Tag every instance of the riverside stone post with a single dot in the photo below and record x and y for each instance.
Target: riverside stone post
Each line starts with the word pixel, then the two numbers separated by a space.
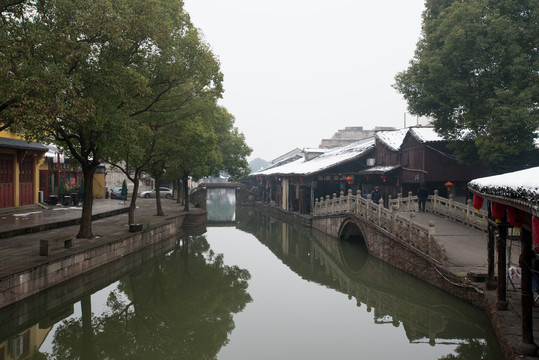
pixel 451 211
pixel 435 202
pixel 327 204
pixel 380 208
pixel 431 235
pixel 368 206
pixel 410 227
pixel 358 201
pixel 349 200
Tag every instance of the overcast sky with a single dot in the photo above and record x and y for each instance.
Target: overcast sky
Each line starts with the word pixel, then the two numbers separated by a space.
pixel 297 71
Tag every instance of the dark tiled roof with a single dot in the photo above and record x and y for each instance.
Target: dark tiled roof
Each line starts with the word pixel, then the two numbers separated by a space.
pixel 21 144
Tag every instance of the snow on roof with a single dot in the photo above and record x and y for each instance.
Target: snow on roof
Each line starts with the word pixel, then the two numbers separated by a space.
pixel 392 138
pixel 331 158
pixel 523 185
pixel 380 169
pixel 426 134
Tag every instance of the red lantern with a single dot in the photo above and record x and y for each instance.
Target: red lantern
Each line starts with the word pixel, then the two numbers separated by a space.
pixel 301 179
pixel 535 232
pixel 448 184
pixel 383 177
pixel 349 179
pixel 498 211
pixel 477 202
pixel 515 216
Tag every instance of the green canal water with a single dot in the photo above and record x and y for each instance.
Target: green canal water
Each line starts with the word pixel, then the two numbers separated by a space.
pixel 254 288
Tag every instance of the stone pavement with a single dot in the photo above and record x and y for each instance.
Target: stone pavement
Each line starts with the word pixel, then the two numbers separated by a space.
pixel 465 246
pixel 21 252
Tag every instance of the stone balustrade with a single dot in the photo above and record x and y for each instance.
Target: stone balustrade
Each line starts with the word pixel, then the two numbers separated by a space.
pixel 401 225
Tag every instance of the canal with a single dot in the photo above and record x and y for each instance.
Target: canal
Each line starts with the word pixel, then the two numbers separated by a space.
pixel 247 286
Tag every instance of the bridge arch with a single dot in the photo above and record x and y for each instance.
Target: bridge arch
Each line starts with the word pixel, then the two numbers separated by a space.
pixel 350 230
pixel 352 245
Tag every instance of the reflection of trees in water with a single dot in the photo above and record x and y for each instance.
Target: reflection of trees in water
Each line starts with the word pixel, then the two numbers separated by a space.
pixel 221 204
pixel 427 314
pixel 179 307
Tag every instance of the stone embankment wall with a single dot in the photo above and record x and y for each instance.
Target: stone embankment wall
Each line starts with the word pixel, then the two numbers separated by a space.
pixel 86 257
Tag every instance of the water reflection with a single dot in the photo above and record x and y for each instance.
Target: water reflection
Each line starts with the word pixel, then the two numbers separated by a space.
pixel 427 315
pixel 189 303
pixel 221 204
pixel 179 306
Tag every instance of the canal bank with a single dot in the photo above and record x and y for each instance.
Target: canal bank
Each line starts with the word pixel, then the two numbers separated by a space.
pixel 24 272
pixel 455 281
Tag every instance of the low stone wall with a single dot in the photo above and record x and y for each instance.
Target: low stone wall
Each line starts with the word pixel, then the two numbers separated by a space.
pixel 80 260
pixel 45 307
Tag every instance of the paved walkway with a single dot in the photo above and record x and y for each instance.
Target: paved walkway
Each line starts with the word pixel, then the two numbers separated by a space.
pixel 18 253
pixel 465 246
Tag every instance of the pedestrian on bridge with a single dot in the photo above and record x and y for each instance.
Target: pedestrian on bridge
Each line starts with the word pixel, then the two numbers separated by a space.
pixel 376 195
pixel 422 194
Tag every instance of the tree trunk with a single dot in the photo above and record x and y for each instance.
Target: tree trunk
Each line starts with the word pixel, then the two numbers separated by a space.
pixel 180 194
pixel 158 198
pixel 133 205
pixel 85 230
pixel 185 193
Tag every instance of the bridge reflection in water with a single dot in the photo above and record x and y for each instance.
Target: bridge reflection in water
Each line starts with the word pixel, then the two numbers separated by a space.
pixel 182 300
pixel 427 314
pixel 221 205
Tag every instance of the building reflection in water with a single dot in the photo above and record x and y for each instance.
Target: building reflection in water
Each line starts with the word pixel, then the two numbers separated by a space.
pixel 427 314
pixel 179 301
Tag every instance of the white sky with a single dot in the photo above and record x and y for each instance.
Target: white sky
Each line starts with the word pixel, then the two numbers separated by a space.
pixel 297 71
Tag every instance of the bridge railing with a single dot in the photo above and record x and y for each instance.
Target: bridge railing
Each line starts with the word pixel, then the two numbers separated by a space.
pixel 451 209
pixel 400 225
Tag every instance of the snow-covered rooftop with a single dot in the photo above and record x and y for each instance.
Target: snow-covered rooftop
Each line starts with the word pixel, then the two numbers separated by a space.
pixel 425 134
pixel 330 158
pixel 392 138
pixel 521 185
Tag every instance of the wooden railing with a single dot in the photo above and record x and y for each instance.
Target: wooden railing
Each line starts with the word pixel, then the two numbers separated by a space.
pixel 400 225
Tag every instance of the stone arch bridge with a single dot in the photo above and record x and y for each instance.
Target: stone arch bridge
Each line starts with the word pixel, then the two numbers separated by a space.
pixel 393 236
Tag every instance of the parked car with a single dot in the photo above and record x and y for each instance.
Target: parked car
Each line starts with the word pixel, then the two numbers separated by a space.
pixel 116 192
pixel 164 191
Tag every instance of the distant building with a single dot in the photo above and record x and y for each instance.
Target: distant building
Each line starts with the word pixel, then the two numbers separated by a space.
pixel 350 135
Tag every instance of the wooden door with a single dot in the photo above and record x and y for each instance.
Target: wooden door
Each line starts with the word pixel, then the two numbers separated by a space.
pixel 26 182
pixel 7 185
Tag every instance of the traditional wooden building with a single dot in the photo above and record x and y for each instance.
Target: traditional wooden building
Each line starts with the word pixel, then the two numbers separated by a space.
pixel 19 174
pixel 295 182
pixel 513 203
pixel 425 158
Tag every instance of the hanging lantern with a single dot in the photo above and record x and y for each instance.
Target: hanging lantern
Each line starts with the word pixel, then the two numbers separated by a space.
pixel 535 232
pixel 301 179
pixel 383 177
pixel 477 202
pixel 349 179
pixel 498 211
pixel 448 184
pixel 516 217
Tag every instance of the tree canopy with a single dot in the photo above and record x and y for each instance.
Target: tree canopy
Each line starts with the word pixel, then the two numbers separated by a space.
pixel 114 80
pixel 475 74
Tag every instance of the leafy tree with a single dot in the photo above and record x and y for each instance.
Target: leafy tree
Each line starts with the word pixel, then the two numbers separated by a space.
pixel 475 73
pixel 97 66
pixel 231 146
